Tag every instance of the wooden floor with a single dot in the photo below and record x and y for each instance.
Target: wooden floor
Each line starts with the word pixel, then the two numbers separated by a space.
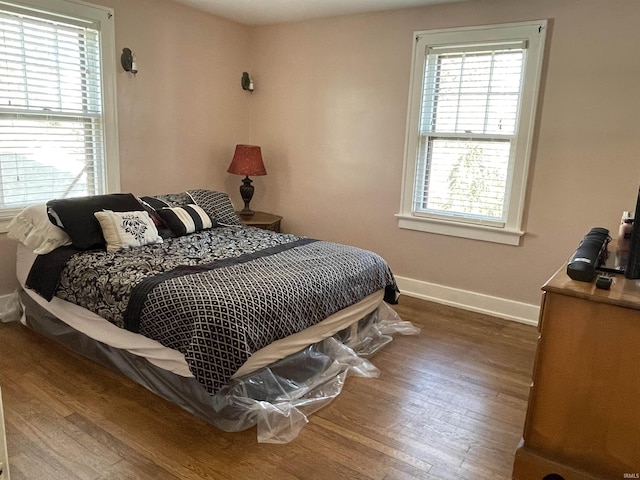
pixel 449 404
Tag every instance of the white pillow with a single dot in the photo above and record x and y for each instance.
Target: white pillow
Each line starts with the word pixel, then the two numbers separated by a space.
pixel 127 229
pixel 33 228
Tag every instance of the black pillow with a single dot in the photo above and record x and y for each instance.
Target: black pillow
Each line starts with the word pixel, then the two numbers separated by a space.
pixel 151 206
pixel 75 216
pixel 156 203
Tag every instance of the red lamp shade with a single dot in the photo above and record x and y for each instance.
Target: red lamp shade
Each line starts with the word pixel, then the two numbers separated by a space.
pixel 247 160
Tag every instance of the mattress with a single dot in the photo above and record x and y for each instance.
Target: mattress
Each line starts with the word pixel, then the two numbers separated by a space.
pixel 99 329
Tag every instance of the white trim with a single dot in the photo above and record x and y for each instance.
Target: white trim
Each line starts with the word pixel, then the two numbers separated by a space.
pixel 464 230
pixel 104 18
pixel 467 300
pixel 10 309
pixel 534 32
pixel 4 456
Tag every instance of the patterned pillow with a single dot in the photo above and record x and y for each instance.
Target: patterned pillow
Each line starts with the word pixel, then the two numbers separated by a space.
pixel 127 229
pixel 217 205
pixel 174 199
pixel 185 219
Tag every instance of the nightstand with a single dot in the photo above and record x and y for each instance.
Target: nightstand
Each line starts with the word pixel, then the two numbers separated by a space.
pixel 266 221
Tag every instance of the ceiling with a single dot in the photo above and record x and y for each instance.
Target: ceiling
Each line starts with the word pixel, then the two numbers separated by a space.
pixel 264 12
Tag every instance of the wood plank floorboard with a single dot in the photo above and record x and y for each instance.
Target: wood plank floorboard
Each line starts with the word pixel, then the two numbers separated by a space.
pixel 449 404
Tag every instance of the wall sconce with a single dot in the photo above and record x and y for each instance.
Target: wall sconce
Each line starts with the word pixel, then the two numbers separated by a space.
pixel 128 61
pixel 246 82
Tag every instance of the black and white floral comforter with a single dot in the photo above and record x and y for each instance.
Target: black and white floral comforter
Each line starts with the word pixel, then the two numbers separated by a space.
pixel 220 295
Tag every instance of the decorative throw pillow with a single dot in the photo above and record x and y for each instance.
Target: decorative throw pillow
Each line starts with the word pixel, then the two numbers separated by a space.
pixel 174 199
pixel 185 219
pixel 75 216
pixel 156 204
pixel 217 205
pixel 127 229
pixel 33 228
pixel 151 205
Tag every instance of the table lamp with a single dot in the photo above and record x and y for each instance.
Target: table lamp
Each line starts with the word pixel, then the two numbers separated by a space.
pixel 247 161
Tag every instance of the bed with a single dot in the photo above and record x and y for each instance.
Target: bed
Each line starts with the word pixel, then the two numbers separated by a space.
pixel 238 325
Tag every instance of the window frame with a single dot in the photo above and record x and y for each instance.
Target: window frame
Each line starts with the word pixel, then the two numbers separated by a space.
pixel 510 233
pixel 105 17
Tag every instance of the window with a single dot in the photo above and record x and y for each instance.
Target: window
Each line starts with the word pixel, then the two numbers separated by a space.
pixel 58 133
pixel 469 130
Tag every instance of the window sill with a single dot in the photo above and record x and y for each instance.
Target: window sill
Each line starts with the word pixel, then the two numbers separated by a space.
pixel 463 230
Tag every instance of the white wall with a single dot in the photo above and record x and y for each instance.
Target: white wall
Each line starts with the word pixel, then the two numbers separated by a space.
pixel 330 112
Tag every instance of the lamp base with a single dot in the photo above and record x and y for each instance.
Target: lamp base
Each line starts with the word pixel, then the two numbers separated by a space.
pixel 246 192
pixel 246 212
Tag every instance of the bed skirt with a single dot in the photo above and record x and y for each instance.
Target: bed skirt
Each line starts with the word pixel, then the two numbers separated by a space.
pixel 276 398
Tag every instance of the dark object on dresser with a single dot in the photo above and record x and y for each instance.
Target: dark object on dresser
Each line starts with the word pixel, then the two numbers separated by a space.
pixel 587 257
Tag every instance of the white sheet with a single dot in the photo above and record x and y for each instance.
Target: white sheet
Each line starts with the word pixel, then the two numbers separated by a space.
pixel 103 331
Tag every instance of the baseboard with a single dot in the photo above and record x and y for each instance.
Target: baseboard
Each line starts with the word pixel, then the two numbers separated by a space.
pixel 473 301
pixel 465 299
pixel 10 310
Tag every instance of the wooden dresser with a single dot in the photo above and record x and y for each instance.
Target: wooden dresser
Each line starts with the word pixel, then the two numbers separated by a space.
pixel 583 417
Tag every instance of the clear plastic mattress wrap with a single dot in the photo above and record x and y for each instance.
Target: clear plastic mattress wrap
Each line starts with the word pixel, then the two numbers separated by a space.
pixel 277 398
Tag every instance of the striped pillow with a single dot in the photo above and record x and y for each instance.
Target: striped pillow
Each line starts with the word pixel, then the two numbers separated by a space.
pixel 185 219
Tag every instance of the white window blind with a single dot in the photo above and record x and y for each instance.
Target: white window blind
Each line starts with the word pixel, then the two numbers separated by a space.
pixel 470 130
pixel 471 99
pixel 52 142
